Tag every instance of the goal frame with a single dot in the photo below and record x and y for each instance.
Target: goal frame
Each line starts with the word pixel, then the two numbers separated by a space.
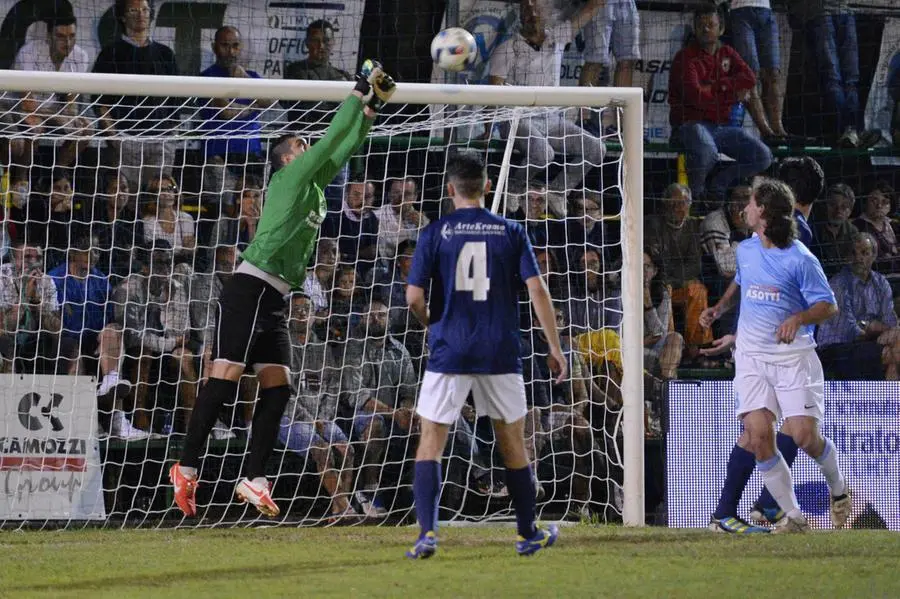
pixel 629 99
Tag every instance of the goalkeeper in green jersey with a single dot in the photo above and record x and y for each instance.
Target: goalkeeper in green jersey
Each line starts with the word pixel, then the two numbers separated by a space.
pixel 251 319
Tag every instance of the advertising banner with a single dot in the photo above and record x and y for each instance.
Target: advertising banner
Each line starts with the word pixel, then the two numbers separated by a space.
pixel 49 455
pixel 861 418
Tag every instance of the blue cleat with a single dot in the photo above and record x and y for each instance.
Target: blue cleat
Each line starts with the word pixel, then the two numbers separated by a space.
pixel 424 548
pixel 543 538
pixel 735 526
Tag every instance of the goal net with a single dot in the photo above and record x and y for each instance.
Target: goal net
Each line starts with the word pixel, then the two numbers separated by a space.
pixel 123 216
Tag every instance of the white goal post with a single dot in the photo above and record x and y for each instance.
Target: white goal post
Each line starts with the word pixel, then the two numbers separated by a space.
pixel 628 100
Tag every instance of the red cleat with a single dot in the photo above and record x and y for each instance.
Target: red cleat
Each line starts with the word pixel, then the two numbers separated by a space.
pixel 256 493
pixel 185 490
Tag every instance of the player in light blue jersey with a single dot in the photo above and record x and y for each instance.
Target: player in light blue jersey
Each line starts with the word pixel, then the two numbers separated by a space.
pixel 783 295
pixel 475 263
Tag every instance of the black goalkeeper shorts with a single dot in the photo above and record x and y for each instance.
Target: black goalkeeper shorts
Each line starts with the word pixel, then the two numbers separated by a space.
pixel 251 323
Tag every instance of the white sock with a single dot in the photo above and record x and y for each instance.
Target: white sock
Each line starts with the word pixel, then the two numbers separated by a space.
pixel 260 481
pixel 777 477
pixel 830 470
pixel 188 471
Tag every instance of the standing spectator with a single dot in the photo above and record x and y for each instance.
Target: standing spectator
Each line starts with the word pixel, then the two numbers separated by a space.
pixel 806 179
pixel 163 219
pixel 834 235
pixel 616 29
pixel 90 338
pixel 754 34
pixel 317 67
pixel 533 56
pixel 831 30
pixel 355 226
pixel 58 53
pixel 876 220
pixel 399 219
pixel 153 305
pixel 673 237
pixel 862 341
pixel 308 426
pixel 722 230
pixel 29 313
pixel 137 54
pixel 662 345
pixel 115 228
pixel 708 79
pixel 233 124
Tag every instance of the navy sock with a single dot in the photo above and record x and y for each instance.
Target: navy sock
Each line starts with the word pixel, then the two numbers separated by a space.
pixel 789 450
pixel 741 464
pixel 521 490
pixel 426 491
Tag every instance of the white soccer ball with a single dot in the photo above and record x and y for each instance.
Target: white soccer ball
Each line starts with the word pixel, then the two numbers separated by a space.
pixel 454 49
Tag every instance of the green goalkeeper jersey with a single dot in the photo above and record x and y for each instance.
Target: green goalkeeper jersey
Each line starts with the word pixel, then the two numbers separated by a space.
pixel 295 203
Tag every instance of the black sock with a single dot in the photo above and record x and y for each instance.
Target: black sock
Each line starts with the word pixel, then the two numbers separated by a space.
pixel 266 420
pixel 212 396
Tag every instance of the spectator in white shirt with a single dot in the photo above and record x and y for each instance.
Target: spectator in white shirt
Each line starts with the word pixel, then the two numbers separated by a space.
pixel 165 221
pixel 58 53
pixel 533 57
pixel 399 219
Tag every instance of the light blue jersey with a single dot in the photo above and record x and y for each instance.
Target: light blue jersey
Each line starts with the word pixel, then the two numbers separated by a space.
pixel 776 284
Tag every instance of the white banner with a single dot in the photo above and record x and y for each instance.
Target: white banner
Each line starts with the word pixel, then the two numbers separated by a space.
pixel 880 106
pixel 49 456
pixel 861 418
pixel 273 30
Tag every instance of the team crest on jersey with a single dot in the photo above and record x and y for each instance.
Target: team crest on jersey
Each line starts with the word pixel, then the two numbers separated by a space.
pixel 446 232
pixel 726 64
pixel 764 293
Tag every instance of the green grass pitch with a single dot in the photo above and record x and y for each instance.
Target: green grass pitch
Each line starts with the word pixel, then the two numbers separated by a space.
pixel 472 562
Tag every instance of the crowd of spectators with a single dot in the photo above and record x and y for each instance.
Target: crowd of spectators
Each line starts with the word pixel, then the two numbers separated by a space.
pixel 116 273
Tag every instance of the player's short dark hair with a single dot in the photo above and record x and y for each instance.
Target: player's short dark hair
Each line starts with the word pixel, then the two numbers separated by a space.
pixel 804 176
pixel 63 20
pixel 276 151
pixel 468 174
pixel 777 201
pixel 320 24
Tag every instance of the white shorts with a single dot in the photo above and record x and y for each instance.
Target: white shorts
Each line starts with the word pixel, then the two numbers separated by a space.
pixel 794 387
pixel 499 396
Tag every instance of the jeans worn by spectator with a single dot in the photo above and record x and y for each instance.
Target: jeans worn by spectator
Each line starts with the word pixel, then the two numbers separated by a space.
pixel 836 47
pixel 754 34
pixel 704 141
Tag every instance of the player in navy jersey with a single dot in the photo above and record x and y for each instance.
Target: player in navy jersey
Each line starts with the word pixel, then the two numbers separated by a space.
pixel 475 263
pixel 783 294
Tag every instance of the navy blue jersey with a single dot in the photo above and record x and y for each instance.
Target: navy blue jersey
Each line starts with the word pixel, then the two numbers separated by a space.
pixel 476 263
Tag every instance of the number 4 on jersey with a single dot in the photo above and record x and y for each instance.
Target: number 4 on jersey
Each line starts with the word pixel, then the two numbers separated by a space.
pixel 471 270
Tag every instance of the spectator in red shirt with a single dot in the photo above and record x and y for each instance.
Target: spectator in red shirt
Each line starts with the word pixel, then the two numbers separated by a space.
pixel 708 80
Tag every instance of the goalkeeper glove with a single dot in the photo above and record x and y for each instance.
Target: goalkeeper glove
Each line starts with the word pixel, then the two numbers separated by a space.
pixel 366 77
pixel 372 77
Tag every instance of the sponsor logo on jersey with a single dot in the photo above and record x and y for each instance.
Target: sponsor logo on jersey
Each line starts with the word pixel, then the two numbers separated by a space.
pixel 764 293
pixel 448 231
pixel 314 220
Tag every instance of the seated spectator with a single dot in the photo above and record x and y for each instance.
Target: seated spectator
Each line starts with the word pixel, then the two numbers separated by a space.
pixel 876 220
pixel 163 220
pixel 533 56
pixel 58 53
pixel 754 35
pixel 708 79
pixel 233 124
pixel 389 287
pixel 662 345
pixel 320 278
pixel 206 288
pixel 308 426
pixel 317 66
pixel 115 228
pixel 542 226
pixel 90 338
pixel 346 298
pixel 29 314
pixel 594 302
pixel 806 179
pixel 834 234
pixel 553 276
pixel 240 231
pixel 722 230
pixel 585 227
pixel 673 237
pixel 831 31
pixel 153 306
pixel 862 341
pixel 399 219
pixel 50 217
pixel 355 226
